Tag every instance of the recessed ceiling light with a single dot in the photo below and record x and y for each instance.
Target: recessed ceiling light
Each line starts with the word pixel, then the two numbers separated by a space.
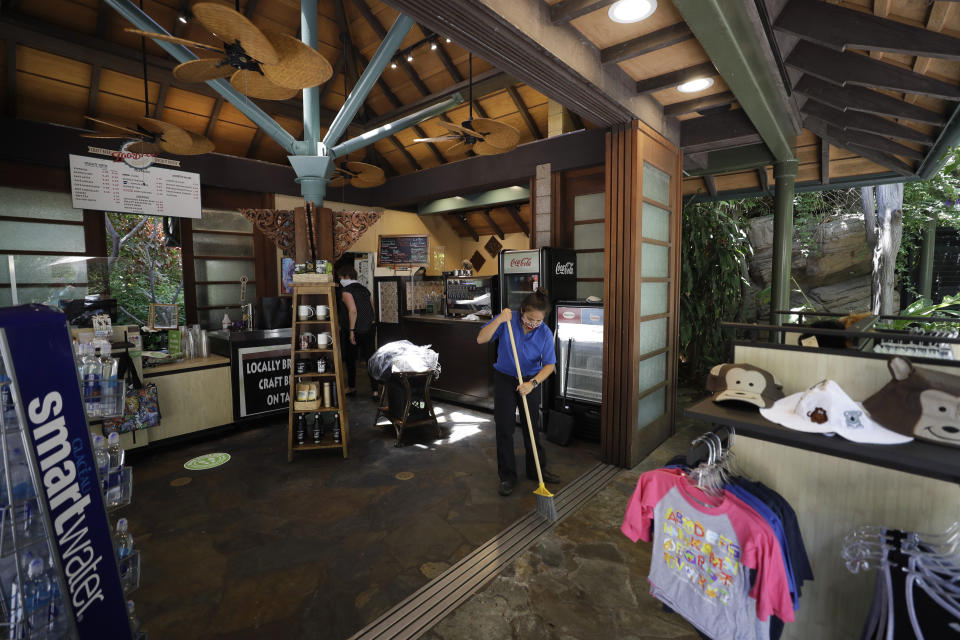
pixel 448 40
pixel 393 65
pixel 695 85
pixel 183 19
pixel 409 58
pixel 628 11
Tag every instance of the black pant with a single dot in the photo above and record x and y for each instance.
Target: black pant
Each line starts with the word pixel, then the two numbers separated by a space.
pixel 351 352
pixel 505 403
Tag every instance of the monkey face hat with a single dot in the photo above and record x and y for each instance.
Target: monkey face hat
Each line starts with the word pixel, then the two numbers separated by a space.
pixel 919 402
pixel 744 383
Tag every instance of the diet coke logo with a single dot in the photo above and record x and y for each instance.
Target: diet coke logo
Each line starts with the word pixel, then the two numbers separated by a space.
pixel 520 262
pixel 566 269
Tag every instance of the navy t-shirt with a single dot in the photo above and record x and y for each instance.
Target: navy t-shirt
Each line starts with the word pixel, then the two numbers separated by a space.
pixel 535 349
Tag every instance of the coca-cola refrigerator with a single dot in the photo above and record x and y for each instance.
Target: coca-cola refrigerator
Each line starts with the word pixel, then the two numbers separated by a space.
pixel 524 271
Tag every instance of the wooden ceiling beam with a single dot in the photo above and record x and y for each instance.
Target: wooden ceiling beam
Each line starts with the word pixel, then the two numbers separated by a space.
pixel 845 68
pixel 328 85
pixel 840 29
pixel 764 178
pixel 444 56
pixel 659 39
pixel 854 120
pixel 214 116
pixel 182 10
pixel 673 78
pixel 496 228
pixel 381 32
pixel 719 131
pixel 514 211
pixel 936 21
pixel 835 136
pixel 406 154
pixel 255 143
pixel 462 219
pixel 94 92
pixel 524 113
pixel 10 79
pixel 824 162
pixel 873 141
pixel 250 8
pixel 690 106
pixel 567 10
pixel 711 186
pixel 161 100
pixel 864 100
pixel 375 157
pixel 577 121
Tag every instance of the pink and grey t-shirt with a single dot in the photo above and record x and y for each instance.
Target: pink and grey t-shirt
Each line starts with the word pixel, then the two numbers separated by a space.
pixel 702 556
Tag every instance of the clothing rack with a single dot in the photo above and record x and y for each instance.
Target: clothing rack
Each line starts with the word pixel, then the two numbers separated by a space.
pixel 699 450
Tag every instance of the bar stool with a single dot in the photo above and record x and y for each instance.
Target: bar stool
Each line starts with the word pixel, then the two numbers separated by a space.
pixel 410 416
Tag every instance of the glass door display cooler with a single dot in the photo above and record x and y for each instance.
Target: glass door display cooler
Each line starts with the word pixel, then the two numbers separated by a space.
pixel 579 351
pixel 525 271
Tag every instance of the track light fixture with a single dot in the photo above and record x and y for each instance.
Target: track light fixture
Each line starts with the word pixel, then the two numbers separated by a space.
pixel 433 40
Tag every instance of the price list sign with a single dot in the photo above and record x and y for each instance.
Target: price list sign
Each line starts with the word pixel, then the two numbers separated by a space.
pixel 106 185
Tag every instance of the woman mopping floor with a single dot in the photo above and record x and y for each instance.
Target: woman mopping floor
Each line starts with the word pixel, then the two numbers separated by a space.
pixel 537 357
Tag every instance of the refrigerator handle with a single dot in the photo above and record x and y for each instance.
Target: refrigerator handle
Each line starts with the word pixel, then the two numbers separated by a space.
pixel 566 373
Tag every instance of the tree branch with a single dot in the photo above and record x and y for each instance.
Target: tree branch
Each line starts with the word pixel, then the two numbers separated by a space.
pixel 138 320
pixel 177 294
pixel 869 216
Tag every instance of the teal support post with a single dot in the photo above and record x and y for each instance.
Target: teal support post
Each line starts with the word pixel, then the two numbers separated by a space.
pixel 391 128
pixel 247 107
pixel 311 95
pixel 785 175
pixel 926 259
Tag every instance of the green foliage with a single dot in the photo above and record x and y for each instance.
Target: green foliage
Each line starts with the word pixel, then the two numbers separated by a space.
pixel 921 308
pixel 713 264
pixel 144 271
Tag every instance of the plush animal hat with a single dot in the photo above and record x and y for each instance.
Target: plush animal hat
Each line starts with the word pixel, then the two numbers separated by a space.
pixel 919 402
pixel 744 383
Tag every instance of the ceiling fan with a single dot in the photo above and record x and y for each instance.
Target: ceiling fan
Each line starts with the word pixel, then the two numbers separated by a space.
pixel 484 135
pixel 358 174
pixel 271 66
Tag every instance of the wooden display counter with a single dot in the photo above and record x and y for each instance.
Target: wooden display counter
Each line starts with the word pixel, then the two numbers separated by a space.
pixel 836 485
pixel 466 368
pixel 194 395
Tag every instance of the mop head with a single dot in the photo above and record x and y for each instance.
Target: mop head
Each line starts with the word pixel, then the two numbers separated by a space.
pixel 545 505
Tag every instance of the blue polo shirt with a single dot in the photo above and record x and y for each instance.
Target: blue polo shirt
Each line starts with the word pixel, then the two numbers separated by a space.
pixel 535 349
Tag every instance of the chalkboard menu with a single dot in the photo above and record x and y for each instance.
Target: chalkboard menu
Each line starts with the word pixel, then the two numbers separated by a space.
pixel 402 250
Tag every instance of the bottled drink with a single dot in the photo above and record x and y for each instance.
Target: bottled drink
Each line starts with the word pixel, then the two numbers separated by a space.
pixel 301 429
pixel 115 451
pixel 132 616
pixel 56 603
pixel 7 410
pixel 124 539
pixel 36 595
pixel 92 370
pixel 336 428
pixel 110 393
pixel 102 459
pixel 115 470
pixel 317 428
pixel 19 471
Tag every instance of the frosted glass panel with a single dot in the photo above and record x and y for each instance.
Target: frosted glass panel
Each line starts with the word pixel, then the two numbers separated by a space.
pixel 653 298
pixel 35 236
pixel 46 269
pixel 654 261
pixel 219 270
pixel 223 294
pixel 49 295
pixel 216 220
pixel 590 265
pixel 656 223
pixel 213 318
pixel 651 372
pixel 589 236
pixel 653 335
pixel 219 244
pixel 585 289
pixel 651 407
pixel 26 203
pixel 656 184
pixel 589 207
pixel 6 297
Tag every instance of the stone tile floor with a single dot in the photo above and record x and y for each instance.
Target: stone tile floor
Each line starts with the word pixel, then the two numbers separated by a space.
pixel 320 547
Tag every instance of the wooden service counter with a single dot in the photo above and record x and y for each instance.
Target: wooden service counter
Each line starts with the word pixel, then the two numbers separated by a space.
pixel 835 485
pixel 466 368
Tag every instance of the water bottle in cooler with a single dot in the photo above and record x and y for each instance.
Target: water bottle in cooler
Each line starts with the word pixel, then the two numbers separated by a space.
pixel 102 459
pixel 132 616
pixel 36 595
pixel 124 539
pixel 114 472
pixel 110 400
pixel 92 372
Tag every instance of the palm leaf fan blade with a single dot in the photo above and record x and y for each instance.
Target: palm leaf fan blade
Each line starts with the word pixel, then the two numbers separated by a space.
pixel 256 85
pixel 231 27
pixel 300 66
pixel 202 70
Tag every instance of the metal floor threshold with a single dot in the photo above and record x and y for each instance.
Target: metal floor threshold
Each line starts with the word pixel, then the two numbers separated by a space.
pixel 425 608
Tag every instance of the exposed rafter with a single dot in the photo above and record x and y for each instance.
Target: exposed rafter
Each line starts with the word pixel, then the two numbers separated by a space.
pixel 864 100
pixel 178 26
pixel 824 162
pixel 659 39
pixel 854 120
pixel 514 212
pixel 936 21
pixel 720 131
pixel 567 10
pixel 255 143
pixel 711 186
pixel 161 100
pixel 851 68
pixel 214 116
pixel 873 141
pixel 764 178
pixel 689 106
pixel 524 112
pixel 328 85
pixel 94 92
pixel 835 136
pixel 496 228
pixel 840 29
pixel 672 79
pixel 462 219
pixel 250 8
pixel 727 160
pixel 406 154
pixel 444 56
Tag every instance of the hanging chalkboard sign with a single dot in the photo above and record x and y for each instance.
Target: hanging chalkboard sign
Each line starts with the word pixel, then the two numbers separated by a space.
pixel 403 250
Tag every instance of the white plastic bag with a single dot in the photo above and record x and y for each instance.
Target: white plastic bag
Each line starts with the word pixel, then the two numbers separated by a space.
pixel 402 356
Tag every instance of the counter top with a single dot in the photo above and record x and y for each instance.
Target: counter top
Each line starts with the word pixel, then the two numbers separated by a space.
pixel 917 457
pixel 175 367
pixel 251 336
pixel 435 317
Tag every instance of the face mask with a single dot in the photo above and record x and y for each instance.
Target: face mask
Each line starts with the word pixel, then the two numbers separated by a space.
pixel 531 324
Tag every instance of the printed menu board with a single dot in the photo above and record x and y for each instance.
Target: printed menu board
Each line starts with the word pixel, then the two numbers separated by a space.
pixel 401 250
pixel 107 185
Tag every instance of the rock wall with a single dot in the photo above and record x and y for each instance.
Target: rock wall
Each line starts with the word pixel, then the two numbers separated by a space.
pixel 834 274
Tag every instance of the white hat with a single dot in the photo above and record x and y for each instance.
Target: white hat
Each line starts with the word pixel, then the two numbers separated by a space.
pixel 826 408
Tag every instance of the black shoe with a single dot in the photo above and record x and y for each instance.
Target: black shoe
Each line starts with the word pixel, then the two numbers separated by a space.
pixel 548 477
pixel 506 488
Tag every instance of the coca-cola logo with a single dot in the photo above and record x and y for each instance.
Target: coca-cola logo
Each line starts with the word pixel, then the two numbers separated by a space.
pixel 520 262
pixel 566 269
